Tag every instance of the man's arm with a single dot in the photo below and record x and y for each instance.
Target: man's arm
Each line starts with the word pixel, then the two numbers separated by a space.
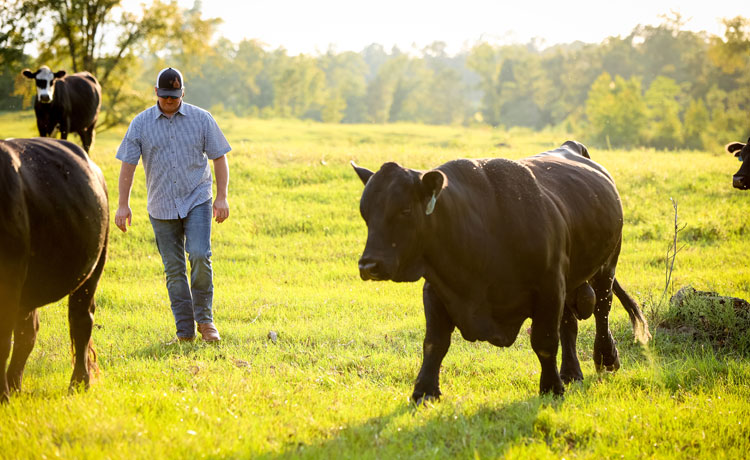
pixel 221 205
pixel 125 184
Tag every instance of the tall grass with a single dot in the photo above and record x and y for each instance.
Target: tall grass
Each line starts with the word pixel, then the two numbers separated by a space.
pixel 336 381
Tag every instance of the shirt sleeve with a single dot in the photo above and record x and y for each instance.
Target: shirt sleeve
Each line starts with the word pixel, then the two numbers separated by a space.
pixel 215 144
pixel 130 148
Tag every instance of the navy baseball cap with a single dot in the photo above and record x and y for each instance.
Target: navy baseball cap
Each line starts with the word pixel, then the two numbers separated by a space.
pixel 169 83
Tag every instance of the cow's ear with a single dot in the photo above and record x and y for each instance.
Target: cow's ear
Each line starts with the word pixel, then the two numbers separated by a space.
pixel 363 173
pixel 433 183
pixel 59 74
pixel 28 74
pixel 735 147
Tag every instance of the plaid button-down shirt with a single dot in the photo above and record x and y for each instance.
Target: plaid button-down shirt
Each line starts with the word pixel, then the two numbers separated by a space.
pixel 175 154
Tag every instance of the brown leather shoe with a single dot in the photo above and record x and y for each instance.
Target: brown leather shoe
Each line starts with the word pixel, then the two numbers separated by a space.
pixel 209 332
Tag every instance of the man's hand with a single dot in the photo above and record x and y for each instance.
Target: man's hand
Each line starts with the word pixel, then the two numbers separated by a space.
pixel 122 216
pixel 221 210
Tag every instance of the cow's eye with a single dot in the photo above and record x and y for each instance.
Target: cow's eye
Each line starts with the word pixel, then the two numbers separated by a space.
pixel 406 212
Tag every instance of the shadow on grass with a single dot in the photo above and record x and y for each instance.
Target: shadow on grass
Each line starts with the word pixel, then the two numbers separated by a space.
pixel 167 349
pixel 442 432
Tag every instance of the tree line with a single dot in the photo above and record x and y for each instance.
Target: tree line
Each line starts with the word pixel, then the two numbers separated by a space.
pixel 660 86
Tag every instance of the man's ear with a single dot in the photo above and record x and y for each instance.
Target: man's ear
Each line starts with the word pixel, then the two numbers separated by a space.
pixel 734 147
pixel 59 74
pixel 29 74
pixel 433 183
pixel 363 173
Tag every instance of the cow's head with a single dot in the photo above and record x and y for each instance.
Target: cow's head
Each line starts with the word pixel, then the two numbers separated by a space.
pixel 45 82
pixel 741 179
pixel 396 206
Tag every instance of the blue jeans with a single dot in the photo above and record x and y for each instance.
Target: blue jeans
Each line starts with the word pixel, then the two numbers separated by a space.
pixel 190 304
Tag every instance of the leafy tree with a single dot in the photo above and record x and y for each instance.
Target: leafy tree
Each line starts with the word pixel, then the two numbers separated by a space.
pixel 76 38
pixel 346 75
pixel 696 121
pixel 300 89
pixel 485 61
pixel 663 102
pixel 615 111
pixel 733 52
pixel 729 122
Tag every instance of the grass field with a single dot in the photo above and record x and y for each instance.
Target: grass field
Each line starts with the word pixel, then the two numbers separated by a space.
pixel 336 382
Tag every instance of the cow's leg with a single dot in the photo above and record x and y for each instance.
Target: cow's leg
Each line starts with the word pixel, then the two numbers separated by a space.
pixel 437 340
pixel 42 128
pixel 9 305
pixel 87 136
pixel 570 368
pixel 81 308
pixel 545 337
pixel 605 351
pixel 24 338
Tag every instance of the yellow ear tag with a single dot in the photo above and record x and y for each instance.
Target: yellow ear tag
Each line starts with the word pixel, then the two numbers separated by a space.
pixel 431 204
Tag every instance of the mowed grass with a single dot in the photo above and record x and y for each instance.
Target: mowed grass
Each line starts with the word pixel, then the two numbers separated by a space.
pixel 336 381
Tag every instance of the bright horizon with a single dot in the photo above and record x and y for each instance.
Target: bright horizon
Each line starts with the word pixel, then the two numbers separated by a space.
pixel 314 27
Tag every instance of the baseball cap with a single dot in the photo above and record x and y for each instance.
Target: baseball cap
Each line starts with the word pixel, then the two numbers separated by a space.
pixel 169 83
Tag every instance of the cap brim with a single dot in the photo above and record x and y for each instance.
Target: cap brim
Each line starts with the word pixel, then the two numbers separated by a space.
pixel 161 92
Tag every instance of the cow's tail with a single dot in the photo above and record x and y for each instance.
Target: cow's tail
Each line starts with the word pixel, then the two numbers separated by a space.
pixel 640 325
pixel 92 362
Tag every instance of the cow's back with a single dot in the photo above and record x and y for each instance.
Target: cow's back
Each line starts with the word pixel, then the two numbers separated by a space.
pixel 539 209
pixel 494 207
pixel 65 202
pixel 586 196
pixel 78 97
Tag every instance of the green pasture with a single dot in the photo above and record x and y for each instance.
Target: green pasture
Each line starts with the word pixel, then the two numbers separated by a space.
pixel 336 382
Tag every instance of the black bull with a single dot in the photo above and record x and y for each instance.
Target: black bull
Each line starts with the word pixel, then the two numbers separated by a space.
pixel 54 222
pixel 499 241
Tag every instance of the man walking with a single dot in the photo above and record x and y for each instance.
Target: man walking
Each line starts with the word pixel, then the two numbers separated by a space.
pixel 176 140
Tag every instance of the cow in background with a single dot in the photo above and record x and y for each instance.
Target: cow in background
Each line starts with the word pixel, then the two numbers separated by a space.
pixel 69 103
pixel 54 223
pixel 741 179
pixel 497 242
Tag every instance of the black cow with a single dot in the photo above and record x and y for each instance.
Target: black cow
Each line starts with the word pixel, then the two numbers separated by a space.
pixel 498 241
pixel 54 222
pixel 741 179
pixel 68 103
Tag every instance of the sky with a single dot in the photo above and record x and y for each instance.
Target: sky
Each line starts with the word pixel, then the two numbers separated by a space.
pixel 314 26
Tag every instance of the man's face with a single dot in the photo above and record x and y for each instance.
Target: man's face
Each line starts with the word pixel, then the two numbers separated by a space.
pixel 169 105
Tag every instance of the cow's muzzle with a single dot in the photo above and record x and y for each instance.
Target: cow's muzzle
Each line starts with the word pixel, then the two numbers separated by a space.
pixel 45 99
pixel 370 269
pixel 740 182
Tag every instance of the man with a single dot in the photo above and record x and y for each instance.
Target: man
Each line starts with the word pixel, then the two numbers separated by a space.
pixel 176 140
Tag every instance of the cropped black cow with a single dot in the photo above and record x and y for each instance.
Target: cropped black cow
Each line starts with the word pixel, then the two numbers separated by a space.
pixel 498 241
pixel 54 222
pixel 741 179
pixel 68 103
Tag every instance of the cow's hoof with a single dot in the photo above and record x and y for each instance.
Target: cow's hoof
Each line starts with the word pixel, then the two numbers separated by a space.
pixel 14 383
pixel 77 387
pixel 603 366
pixel 556 389
pixel 422 399
pixel 570 378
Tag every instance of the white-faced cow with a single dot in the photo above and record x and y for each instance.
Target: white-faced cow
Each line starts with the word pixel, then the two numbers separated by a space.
pixel 54 222
pixel 741 179
pixel 497 242
pixel 69 103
